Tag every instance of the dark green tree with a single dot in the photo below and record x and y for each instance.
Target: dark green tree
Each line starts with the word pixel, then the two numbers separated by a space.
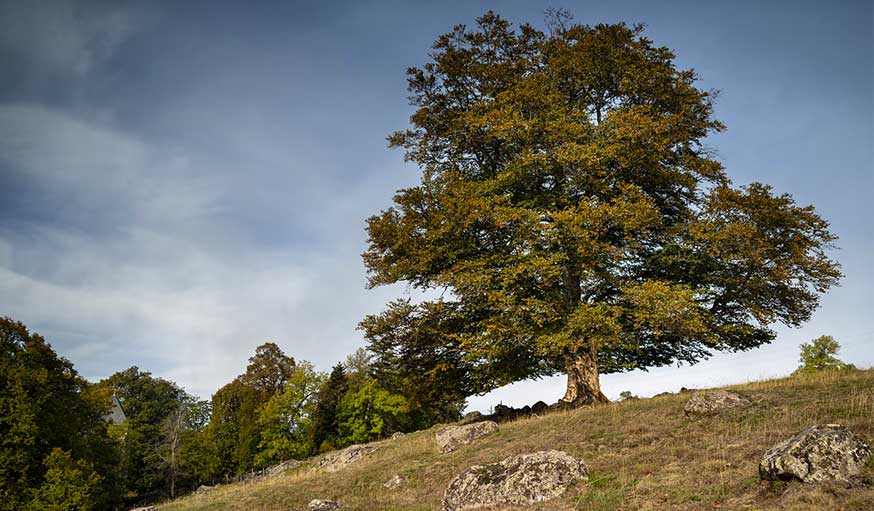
pixel 324 419
pixel 148 402
pixel 572 217
pixel 416 359
pixel 43 408
pixel 234 428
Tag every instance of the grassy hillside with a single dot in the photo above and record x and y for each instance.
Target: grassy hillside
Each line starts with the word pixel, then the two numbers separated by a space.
pixel 642 454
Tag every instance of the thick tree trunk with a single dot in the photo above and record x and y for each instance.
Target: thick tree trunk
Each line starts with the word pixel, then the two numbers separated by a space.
pixel 583 384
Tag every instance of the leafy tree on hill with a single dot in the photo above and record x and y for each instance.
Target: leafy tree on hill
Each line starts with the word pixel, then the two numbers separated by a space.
pixel 325 426
pixel 573 218
pixel 819 354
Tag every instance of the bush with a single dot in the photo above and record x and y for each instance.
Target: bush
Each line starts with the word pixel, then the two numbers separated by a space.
pixel 69 485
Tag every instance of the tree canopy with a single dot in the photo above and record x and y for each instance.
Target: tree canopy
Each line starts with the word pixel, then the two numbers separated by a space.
pixel 572 217
pixel 820 354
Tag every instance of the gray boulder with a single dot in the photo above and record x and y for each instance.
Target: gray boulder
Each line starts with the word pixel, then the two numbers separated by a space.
pixel 827 452
pixel 451 438
pixel 714 402
pixel 337 460
pixel 518 480
pixel 202 489
pixel 324 505
pixel 397 435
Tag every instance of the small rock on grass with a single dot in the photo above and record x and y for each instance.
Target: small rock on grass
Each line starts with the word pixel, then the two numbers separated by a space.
pixel 324 505
pixel 712 403
pixel 451 438
pixel 395 481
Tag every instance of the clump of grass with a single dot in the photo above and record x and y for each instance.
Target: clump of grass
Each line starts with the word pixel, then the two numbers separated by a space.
pixel 642 454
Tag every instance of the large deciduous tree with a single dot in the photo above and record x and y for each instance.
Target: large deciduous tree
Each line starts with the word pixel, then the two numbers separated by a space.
pixel 573 218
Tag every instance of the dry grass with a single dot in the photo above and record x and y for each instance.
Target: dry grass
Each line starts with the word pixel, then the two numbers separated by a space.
pixel 642 455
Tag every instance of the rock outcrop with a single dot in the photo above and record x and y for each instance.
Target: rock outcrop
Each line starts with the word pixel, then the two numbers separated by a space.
pixel 713 403
pixel 451 438
pixel 276 470
pixel 397 435
pixel 827 452
pixel 335 461
pixel 517 480
pixel 324 505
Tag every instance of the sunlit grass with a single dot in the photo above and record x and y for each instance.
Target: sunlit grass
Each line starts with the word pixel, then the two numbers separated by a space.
pixel 642 454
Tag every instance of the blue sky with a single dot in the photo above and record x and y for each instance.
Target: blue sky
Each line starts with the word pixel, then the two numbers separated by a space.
pixel 182 181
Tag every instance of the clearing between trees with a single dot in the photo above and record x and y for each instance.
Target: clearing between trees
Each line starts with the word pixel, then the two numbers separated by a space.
pixel 641 454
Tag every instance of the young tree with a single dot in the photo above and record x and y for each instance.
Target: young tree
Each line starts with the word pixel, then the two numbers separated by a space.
pixel 324 420
pixel 189 417
pixel 285 420
pixel 819 354
pixel 370 413
pixel 573 218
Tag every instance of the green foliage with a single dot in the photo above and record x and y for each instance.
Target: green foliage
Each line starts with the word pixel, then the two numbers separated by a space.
pixel 69 485
pixel 43 407
pixel 370 413
pixel 285 419
pixel 325 428
pixel 819 354
pixel 234 426
pixel 570 209
pixel 416 360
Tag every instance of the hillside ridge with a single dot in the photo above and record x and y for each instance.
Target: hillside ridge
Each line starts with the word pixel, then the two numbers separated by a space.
pixel 642 454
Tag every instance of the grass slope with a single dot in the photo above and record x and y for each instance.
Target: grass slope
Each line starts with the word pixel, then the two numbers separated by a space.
pixel 642 454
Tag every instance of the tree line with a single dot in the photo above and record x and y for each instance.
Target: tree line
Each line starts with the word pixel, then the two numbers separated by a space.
pixel 61 449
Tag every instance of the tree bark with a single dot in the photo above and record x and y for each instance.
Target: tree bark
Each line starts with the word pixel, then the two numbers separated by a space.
pixel 583 383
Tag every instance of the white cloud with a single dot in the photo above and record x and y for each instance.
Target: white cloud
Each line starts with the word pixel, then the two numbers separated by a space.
pixel 171 285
